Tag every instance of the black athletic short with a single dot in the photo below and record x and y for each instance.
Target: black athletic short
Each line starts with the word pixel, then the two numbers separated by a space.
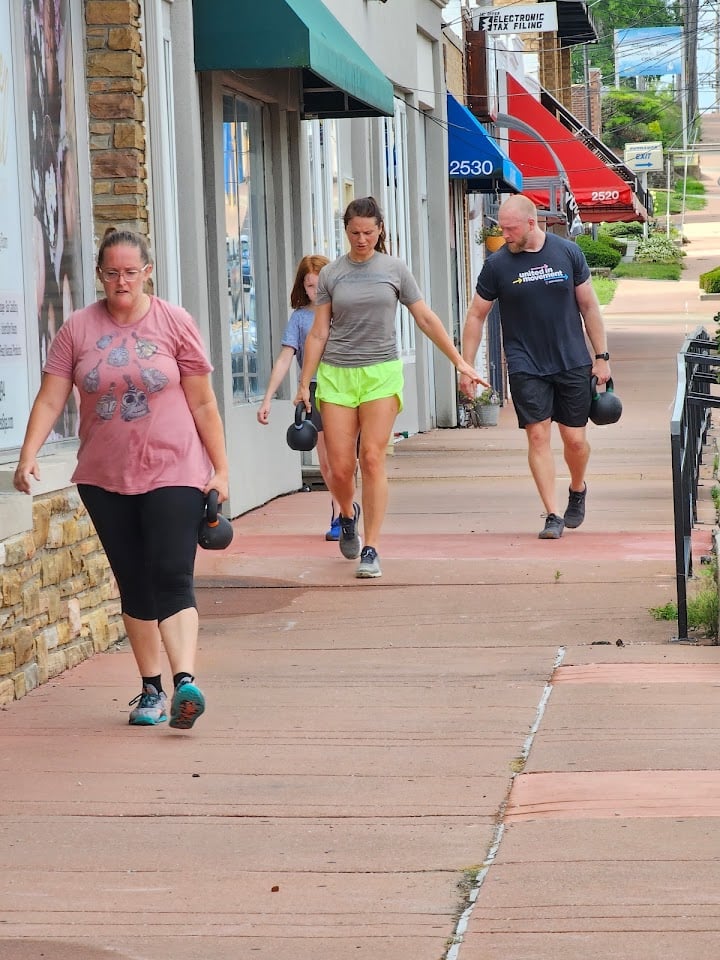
pixel 150 540
pixel 564 397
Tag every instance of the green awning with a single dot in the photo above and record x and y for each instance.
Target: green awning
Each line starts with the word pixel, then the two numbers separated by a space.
pixel 338 78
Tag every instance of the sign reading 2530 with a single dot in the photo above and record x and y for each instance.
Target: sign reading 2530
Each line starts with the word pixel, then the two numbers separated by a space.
pixel 471 168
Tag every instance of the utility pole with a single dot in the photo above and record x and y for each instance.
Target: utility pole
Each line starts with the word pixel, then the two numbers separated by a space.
pixel 690 79
pixel 717 56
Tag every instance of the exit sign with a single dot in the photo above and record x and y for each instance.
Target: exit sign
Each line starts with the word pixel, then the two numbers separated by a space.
pixel 644 157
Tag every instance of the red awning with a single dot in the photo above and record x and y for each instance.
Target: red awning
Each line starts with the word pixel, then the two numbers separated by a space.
pixel 600 193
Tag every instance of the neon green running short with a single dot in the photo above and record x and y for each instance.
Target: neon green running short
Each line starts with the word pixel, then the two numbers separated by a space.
pixel 351 386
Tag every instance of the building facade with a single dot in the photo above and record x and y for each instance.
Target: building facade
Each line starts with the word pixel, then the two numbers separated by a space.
pixel 234 145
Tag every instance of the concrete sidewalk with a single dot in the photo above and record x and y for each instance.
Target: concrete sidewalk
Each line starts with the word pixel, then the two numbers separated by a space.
pixel 377 755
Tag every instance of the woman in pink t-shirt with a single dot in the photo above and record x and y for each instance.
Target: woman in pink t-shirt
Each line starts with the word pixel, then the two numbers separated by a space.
pixel 151 446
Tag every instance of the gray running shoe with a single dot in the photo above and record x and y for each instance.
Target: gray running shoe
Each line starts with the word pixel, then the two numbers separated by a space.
pixel 575 513
pixel 554 526
pixel 369 565
pixel 151 707
pixel 350 542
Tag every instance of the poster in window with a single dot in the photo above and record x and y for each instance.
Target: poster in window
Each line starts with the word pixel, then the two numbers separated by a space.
pixel 54 176
pixel 14 400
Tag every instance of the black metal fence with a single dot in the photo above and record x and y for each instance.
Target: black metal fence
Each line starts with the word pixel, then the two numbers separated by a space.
pixel 689 423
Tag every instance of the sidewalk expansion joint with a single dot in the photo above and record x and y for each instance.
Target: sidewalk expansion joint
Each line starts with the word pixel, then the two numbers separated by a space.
pixel 462 924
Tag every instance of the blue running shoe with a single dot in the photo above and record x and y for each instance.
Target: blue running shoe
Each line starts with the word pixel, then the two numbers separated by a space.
pixel 334 531
pixel 151 708
pixel 187 705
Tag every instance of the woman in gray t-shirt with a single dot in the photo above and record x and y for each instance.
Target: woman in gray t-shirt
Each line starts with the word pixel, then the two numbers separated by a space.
pixel 352 347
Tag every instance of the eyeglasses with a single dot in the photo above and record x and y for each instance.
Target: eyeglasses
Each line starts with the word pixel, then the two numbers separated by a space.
pixel 112 276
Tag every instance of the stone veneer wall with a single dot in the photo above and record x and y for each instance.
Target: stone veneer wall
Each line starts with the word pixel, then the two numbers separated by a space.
pixel 58 599
pixel 58 602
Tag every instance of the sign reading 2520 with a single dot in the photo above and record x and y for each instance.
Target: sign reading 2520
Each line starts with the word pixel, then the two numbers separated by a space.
pixel 471 168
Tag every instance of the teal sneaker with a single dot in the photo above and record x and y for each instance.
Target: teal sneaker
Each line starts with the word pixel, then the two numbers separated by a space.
pixel 187 705
pixel 151 708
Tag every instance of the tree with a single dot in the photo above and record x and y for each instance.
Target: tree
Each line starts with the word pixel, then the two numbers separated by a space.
pixel 630 116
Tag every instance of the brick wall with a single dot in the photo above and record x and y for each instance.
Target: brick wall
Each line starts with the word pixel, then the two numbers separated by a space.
pixel 555 69
pixel 58 599
pixel 115 86
pixel 580 99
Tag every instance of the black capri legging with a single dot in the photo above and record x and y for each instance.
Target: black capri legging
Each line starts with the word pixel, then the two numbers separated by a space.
pixel 150 540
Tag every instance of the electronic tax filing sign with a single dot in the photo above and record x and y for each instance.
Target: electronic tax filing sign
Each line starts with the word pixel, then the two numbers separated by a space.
pixel 517 18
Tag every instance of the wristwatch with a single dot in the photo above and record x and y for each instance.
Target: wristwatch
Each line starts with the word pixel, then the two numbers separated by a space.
pixel 602 356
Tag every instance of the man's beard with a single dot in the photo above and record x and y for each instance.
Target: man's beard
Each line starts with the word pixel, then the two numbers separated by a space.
pixel 517 246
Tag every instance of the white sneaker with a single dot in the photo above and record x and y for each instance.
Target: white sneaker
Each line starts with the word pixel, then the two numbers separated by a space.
pixel 369 566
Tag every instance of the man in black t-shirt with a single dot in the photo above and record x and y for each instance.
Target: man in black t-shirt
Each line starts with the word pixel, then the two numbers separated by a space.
pixel 548 312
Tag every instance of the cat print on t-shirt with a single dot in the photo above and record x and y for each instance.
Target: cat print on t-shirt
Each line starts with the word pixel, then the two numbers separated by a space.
pixel 132 399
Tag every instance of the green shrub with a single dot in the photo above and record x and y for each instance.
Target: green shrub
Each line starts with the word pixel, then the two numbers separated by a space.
pixel 658 249
pixel 599 253
pixel 710 281
pixel 621 230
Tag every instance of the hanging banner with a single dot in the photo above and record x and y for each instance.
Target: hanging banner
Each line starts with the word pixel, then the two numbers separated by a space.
pixel 572 213
pixel 517 18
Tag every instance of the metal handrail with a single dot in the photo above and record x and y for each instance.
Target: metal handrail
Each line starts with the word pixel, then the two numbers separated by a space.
pixel 689 424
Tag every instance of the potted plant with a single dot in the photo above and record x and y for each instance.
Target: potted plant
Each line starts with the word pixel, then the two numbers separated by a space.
pixel 492 237
pixel 480 411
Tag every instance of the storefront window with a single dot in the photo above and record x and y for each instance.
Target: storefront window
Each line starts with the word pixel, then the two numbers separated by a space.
pixel 325 197
pixel 246 274
pixel 14 401
pixel 53 176
pixel 396 210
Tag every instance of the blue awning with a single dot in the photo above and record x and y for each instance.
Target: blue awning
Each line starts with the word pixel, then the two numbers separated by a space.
pixel 474 156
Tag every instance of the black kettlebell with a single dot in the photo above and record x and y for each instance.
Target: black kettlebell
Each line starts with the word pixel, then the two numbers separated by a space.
pixel 605 407
pixel 215 531
pixel 302 434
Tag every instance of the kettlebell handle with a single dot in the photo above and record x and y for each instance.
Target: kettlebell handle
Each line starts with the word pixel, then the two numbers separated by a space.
pixel 609 386
pixel 211 510
pixel 301 414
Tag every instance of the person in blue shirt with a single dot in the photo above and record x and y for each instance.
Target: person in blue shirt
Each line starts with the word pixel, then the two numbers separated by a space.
pixel 549 313
pixel 302 300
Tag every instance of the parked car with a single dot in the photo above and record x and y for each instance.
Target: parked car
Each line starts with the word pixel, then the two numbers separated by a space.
pixel 245 260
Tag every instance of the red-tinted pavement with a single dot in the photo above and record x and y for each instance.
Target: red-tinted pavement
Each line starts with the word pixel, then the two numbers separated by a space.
pixel 370 745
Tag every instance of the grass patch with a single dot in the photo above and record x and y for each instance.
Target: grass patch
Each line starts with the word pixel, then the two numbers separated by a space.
pixel 649 271
pixel 702 606
pixel 715 494
pixel 668 611
pixel 693 201
pixel 604 288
